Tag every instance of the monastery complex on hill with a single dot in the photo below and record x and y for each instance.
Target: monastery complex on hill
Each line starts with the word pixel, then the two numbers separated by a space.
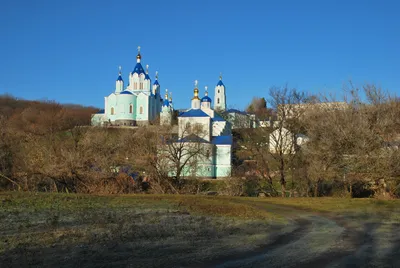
pixel 141 103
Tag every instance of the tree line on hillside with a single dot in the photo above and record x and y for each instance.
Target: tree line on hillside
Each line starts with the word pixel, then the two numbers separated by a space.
pixel 317 145
pixel 314 146
pixel 46 146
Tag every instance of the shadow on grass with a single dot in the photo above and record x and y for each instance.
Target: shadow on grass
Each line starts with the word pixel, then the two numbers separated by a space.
pixel 157 231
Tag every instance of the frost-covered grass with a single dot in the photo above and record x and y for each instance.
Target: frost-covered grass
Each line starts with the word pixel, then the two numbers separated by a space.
pixel 71 230
pixel 67 229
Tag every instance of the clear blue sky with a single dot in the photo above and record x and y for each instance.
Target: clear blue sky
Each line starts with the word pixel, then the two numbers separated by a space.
pixel 69 51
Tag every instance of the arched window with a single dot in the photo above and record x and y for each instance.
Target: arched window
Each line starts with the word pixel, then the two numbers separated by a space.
pixel 218 100
pixel 141 85
pixel 218 90
pixel 188 127
pixel 112 111
pixel 135 85
pixel 130 108
pixel 141 110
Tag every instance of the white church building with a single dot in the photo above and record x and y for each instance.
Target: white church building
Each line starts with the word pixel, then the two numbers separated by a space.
pixel 139 103
pixel 215 136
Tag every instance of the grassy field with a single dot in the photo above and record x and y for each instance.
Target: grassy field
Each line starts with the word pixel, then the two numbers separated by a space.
pixel 68 230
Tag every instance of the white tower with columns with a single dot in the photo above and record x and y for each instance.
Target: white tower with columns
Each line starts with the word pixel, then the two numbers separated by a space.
pixel 139 79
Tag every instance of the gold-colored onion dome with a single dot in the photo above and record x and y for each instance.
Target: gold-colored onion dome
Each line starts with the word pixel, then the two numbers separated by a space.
pixel 196 94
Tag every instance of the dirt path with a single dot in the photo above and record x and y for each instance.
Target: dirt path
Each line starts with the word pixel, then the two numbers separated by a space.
pixel 317 240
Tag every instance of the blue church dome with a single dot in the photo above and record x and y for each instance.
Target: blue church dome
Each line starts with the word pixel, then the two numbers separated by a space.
pixel 147 77
pixel 206 99
pixel 138 69
pixel 156 83
pixel 166 103
pixel 126 93
pixel 119 78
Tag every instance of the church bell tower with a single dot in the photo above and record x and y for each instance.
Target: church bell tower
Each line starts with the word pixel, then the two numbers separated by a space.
pixel 220 96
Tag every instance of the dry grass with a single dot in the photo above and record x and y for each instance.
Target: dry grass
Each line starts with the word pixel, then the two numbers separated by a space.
pixel 150 230
pixel 54 229
pixel 374 209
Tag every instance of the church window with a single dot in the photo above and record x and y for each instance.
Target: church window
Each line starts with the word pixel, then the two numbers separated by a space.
pixel 130 108
pixel 218 100
pixel 141 85
pixel 135 85
pixel 112 111
pixel 188 127
pixel 141 110
pixel 208 154
pixel 218 90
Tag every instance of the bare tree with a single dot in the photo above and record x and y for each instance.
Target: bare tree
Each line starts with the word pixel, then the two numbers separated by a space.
pixel 253 145
pixel 6 154
pixel 352 142
pixel 167 156
pixel 274 146
pixel 288 104
pixel 180 154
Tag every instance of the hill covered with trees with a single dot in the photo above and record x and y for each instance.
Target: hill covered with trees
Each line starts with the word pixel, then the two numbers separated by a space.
pixel 314 146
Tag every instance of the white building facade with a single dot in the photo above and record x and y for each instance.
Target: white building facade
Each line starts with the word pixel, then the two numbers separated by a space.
pixel 139 103
pixel 215 138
